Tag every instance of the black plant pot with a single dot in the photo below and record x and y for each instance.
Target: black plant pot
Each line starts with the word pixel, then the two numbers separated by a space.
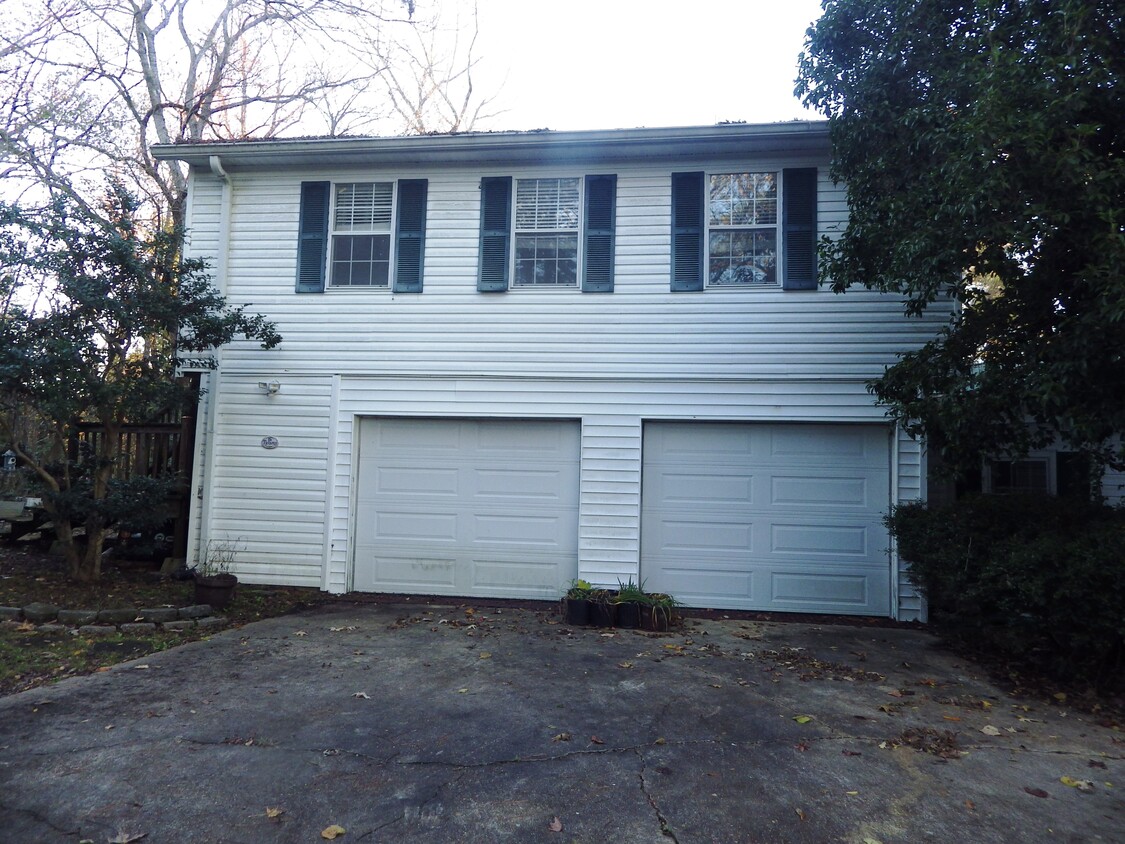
pixel 628 615
pixel 576 610
pixel 603 614
pixel 216 590
pixel 656 619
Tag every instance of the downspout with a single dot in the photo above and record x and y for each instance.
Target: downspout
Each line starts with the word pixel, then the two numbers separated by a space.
pixel 205 444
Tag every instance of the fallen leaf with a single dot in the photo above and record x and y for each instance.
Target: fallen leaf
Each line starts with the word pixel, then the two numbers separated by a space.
pixel 853 793
pixel 596 740
pixel 334 831
pixel 363 695
pixel 970 805
pixel 802 719
pixel 660 741
pixel 1036 792
pixel 555 825
pixel 802 746
pixel 462 691
pixel 895 693
pixel 140 667
pixel 800 813
pixel 274 812
pixel 950 717
pixel 851 752
pixel 1060 697
pixel 872 840
pixel 1085 786
pixel 624 665
pixel 562 737
pixel 928 682
pixel 127 838
pixel 989 730
pixel 300 633
pixel 485 655
pixel 715 685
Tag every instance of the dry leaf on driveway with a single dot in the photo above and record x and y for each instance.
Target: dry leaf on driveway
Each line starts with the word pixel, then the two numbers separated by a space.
pixel 555 825
pixel 334 831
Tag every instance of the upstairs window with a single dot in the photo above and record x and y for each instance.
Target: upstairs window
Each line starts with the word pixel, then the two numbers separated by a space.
pixel 546 233
pixel 754 229
pixel 742 229
pixel 361 234
pixel 550 233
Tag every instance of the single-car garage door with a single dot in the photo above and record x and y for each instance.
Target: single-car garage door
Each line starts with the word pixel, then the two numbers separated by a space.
pixel 473 507
pixel 767 516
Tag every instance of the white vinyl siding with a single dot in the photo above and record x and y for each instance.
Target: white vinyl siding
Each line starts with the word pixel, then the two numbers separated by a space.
pixel 615 362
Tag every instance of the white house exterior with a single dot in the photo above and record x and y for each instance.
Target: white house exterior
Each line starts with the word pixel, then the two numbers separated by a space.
pixel 521 358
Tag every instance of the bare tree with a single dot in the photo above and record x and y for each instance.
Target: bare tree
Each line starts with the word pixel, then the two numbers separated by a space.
pixel 427 74
pixel 89 85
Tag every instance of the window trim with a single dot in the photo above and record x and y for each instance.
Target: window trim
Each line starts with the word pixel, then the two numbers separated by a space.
pixel 776 226
pixel 579 228
pixel 333 233
pixel 1047 461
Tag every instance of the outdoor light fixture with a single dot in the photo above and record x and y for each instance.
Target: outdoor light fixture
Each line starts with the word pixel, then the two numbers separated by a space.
pixel 269 387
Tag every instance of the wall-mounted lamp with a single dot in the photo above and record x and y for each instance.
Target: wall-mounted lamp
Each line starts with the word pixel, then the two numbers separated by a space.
pixel 269 387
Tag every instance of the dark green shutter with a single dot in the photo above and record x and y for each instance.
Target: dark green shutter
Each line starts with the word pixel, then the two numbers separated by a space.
pixel 312 238
pixel 410 235
pixel 688 248
pixel 799 228
pixel 495 233
pixel 601 202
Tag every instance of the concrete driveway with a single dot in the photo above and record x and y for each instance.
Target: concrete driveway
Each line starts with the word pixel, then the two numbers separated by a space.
pixel 451 725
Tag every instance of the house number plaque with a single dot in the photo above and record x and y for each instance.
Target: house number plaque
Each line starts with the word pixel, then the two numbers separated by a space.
pixel 269 442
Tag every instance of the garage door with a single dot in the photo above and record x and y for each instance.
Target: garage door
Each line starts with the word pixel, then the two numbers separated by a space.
pixel 767 517
pixel 471 507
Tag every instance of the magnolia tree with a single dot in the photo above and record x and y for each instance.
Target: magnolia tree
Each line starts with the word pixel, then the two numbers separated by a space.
pixel 97 311
pixel 983 148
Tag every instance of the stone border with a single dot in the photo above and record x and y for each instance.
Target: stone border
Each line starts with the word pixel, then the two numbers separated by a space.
pixel 50 619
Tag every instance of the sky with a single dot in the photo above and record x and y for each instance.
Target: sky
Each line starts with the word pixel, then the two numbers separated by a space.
pixel 611 64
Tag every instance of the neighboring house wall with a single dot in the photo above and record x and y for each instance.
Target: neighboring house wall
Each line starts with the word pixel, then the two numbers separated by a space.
pixel 613 361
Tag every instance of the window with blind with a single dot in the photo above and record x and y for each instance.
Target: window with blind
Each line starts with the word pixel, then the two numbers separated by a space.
pixel 361 234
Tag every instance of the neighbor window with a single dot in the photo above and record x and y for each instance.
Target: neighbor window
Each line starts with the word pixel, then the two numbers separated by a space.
pixel 546 232
pixel 742 229
pixel 1019 476
pixel 361 234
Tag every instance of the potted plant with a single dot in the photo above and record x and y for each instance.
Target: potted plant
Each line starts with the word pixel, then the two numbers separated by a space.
pixel 214 584
pixel 657 611
pixel 603 611
pixel 576 602
pixel 629 599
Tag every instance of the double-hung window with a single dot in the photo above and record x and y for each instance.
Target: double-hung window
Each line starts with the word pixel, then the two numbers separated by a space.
pixel 362 235
pixel 744 229
pixel 547 233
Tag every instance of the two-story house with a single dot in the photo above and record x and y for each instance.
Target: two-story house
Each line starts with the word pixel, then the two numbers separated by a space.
pixel 513 359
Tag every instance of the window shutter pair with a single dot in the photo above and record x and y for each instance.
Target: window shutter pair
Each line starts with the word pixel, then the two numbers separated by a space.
pixel 410 236
pixel 496 234
pixel 798 230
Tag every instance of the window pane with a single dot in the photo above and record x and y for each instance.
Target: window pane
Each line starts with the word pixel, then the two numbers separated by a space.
pixel 546 260
pixel 743 257
pixel 363 206
pixel 743 199
pixel 546 204
pixel 361 260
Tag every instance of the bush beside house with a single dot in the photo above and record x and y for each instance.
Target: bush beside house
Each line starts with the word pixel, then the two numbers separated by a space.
pixel 1037 581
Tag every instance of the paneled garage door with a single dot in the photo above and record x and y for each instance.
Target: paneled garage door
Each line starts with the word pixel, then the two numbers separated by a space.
pixel 469 507
pixel 767 516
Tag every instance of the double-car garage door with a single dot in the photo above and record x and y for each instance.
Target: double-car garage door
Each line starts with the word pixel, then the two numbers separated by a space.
pixel 733 515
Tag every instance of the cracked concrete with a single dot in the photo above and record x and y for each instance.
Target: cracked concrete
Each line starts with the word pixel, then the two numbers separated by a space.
pixel 444 725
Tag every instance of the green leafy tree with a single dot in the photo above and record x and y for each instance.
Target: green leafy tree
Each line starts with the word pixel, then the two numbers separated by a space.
pixel 983 149
pixel 96 316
